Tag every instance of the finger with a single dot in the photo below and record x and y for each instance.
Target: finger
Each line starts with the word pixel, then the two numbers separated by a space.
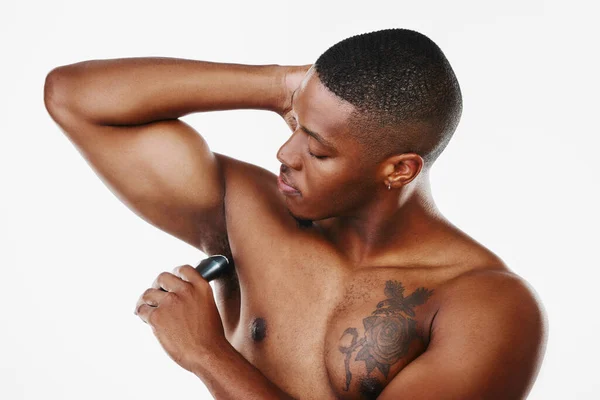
pixel 168 282
pixel 188 274
pixel 152 297
pixel 144 311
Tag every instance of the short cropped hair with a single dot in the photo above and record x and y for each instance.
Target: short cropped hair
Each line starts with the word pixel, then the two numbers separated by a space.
pixel 406 95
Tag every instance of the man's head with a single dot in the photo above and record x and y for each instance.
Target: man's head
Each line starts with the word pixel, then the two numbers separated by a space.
pixel 387 102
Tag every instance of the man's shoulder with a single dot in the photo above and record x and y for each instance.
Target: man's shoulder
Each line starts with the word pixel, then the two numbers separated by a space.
pixel 494 298
pixel 251 195
pixel 244 173
pixel 495 279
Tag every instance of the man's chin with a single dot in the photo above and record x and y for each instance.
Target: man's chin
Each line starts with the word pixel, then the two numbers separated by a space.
pixel 302 222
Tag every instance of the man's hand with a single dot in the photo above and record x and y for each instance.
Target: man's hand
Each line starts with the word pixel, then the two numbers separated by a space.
pixel 292 78
pixel 183 316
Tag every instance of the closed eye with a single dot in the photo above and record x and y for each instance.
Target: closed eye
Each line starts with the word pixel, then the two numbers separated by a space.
pixel 316 156
pixel 295 124
pixel 312 154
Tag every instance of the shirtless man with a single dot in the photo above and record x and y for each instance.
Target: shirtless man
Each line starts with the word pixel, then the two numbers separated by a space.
pixel 348 282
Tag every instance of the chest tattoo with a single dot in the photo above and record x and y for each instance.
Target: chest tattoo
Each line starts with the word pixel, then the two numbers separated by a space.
pixel 388 333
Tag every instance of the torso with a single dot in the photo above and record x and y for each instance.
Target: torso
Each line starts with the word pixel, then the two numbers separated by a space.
pixel 312 323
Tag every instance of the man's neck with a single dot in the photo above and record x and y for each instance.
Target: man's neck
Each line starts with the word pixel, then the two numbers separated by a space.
pixel 402 221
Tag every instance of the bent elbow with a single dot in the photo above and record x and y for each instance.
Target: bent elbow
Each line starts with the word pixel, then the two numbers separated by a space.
pixel 55 89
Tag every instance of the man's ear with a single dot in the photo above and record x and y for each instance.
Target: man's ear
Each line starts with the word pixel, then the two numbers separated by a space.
pixel 400 169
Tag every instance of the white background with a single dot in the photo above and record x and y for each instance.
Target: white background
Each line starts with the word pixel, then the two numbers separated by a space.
pixel 520 174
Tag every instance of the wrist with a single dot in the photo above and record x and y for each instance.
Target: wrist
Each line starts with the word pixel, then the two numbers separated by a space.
pixel 203 360
pixel 280 88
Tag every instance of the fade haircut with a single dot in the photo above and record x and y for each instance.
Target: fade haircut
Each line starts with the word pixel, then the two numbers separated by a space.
pixel 406 95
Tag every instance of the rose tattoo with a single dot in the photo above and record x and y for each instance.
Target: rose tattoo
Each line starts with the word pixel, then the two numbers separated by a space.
pixel 389 330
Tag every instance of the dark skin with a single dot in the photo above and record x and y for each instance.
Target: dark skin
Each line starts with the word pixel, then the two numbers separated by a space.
pixel 380 297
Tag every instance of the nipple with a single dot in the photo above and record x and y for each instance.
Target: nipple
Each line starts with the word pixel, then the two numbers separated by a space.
pixel 258 329
pixel 370 388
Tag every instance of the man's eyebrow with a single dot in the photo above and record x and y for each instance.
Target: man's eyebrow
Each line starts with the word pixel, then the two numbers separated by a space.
pixel 318 137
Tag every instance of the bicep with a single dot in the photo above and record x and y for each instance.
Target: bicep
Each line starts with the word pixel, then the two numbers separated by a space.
pixel 163 171
pixel 489 348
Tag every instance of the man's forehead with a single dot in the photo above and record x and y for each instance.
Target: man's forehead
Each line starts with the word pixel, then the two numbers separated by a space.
pixel 322 114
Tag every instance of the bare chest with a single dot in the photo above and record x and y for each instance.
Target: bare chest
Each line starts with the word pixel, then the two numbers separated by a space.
pixel 320 332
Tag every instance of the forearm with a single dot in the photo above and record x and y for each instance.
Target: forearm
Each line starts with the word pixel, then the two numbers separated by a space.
pixel 131 91
pixel 229 376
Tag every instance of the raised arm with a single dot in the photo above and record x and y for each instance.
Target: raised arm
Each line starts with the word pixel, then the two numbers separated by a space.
pixel 135 91
pixel 121 115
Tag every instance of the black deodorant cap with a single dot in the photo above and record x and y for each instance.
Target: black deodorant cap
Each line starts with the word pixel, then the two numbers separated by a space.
pixel 212 267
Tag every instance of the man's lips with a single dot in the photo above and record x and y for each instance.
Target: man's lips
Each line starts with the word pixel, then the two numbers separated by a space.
pixel 287 182
pixel 284 186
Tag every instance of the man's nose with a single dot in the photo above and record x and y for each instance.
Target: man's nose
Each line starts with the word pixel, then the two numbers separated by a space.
pixel 289 153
